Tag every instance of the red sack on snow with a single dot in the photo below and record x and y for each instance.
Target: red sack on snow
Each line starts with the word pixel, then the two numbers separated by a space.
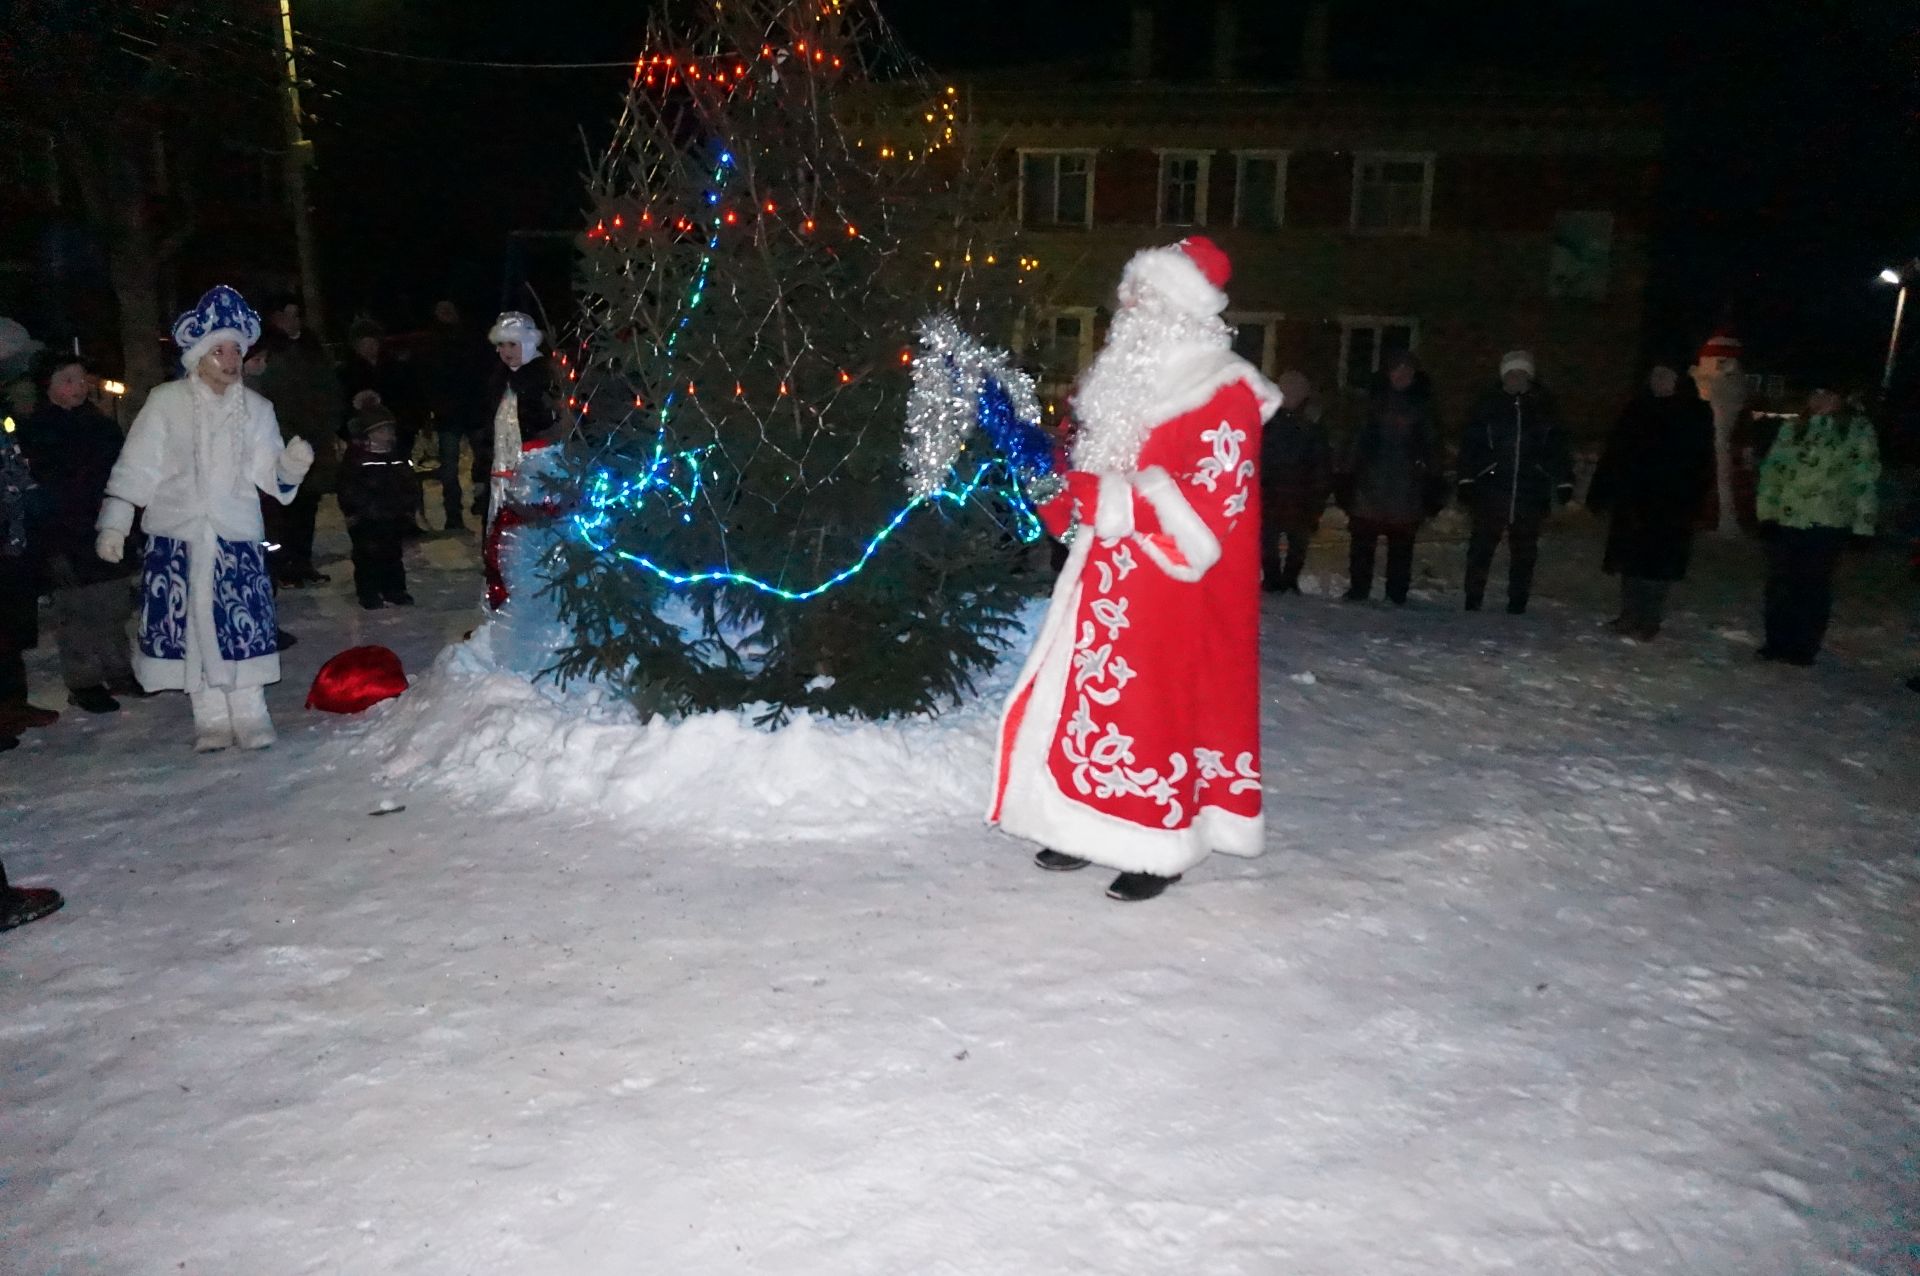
pixel 356 679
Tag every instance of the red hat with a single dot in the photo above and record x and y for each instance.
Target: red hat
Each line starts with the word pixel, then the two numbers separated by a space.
pixel 1720 345
pixel 356 679
pixel 1191 275
pixel 1206 255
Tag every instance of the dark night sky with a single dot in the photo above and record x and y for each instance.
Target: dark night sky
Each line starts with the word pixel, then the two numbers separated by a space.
pixel 1792 171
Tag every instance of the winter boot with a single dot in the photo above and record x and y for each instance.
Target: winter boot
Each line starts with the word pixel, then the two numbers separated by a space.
pixel 93 700
pixel 1134 887
pixel 1054 862
pixel 17 716
pixel 212 721
pixel 22 904
pixel 252 728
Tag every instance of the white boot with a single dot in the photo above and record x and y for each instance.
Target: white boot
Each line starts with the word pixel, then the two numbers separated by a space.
pixel 212 721
pixel 251 725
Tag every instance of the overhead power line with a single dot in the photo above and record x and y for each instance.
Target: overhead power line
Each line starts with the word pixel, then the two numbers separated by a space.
pixel 478 64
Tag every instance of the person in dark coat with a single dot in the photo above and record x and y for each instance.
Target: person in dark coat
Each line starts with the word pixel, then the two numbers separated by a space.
pixel 378 493
pixel 301 383
pixel 70 447
pixel 453 368
pixel 1390 476
pixel 1295 478
pixel 1656 470
pixel 19 591
pixel 1516 462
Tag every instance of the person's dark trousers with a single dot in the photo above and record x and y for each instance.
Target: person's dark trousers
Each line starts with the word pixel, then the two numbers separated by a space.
pixel 1366 537
pixel 290 530
pixel 450 440
pixel 19 627
pixel 482 471
pixel 1277 523
pixel 1523 552
pixel 379 570
pixel 1643 603
pixel 1800 566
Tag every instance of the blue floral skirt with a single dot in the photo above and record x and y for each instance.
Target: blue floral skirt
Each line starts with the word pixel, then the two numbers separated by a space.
pixel 244 627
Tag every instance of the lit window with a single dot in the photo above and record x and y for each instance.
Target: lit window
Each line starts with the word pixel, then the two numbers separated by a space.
pixel 1062 343
pixel 1183 188
pixel 1056 188
pixel 1392 194
pixel 1260 190
pixel 1253 338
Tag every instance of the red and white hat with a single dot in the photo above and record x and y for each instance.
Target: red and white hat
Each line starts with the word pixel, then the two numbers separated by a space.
pixel 1191 274
pixel 1720 345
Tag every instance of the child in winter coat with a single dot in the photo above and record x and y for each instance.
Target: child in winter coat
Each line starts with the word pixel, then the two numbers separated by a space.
pixel 378 493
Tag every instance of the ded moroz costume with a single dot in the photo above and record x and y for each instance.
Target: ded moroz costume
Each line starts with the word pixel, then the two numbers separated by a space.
pixel 1132 737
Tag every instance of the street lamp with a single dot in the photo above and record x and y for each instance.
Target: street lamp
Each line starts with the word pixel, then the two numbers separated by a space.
pixel 1901 277
pixel 299 155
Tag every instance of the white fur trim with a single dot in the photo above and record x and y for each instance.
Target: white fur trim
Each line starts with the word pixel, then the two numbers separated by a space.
pixel 1030 804
pixel 1171 273
pixel 1195 374
pixel 514 326
pixel 116 515
pixel 190 358
pixel 1114 517
pixel 1199 547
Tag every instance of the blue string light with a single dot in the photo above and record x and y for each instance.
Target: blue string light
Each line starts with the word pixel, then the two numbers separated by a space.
pixel 602 495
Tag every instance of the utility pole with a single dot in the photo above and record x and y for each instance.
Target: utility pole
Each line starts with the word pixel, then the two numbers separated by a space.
pixel 298 157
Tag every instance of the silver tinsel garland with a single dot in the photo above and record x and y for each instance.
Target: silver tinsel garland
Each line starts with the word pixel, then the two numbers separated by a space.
pixel 951 372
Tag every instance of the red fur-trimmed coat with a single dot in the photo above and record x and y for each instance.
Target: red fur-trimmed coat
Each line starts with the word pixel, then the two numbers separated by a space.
pixel 1132 737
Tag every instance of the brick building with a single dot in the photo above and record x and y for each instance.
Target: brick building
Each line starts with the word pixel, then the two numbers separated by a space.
pixel 1459 224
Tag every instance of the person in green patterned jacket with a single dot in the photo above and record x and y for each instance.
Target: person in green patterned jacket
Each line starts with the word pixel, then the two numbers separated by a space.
pixel 1818 490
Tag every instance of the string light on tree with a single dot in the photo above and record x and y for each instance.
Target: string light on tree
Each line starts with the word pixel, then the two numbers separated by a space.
pixel 760 247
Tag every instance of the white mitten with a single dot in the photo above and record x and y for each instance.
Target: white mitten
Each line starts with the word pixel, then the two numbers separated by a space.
pixel 296 458
pixel 111 546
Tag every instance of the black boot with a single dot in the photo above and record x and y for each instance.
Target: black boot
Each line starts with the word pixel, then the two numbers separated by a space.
pixel 22 904
pixel 1054 862
pixel 1134 887
pixel 93 700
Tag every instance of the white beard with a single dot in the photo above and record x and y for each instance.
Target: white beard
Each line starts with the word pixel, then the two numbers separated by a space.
pixel 1114 405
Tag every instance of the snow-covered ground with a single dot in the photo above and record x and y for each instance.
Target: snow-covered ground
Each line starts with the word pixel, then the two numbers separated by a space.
pixel 1567 956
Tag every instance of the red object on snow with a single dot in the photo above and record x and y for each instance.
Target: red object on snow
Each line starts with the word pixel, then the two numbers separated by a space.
pixel 357 679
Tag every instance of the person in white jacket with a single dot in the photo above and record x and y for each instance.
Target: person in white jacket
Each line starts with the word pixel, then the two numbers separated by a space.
pixel 198 453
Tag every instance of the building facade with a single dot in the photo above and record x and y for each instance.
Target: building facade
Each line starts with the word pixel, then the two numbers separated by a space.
pixel 1458 225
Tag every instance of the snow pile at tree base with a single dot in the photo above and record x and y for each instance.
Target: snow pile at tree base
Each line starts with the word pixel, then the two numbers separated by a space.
pixel 473 728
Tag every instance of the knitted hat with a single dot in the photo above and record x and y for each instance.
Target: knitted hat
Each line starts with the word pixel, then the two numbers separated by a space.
pixel 1516 361
pixel 1720 345
pixel 222 315
pixel 512 325
pixel 371 418
pixel 1191 274
pixel 364 327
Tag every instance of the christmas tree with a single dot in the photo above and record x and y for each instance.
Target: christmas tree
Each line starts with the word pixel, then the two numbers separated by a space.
pixel 785 201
